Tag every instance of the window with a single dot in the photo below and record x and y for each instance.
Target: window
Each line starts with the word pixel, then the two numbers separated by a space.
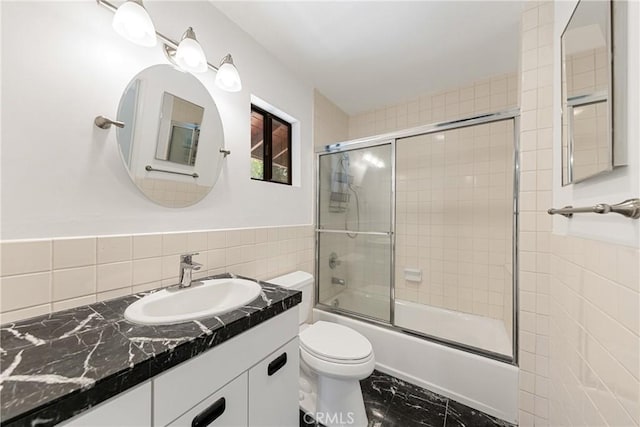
pixel 270 147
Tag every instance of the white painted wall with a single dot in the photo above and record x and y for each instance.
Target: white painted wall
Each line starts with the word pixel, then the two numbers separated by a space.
pixel 622 183
pixel 62 176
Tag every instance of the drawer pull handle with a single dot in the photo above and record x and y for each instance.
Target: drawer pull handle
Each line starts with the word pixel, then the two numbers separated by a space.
pixel 278 363
pixel 209 415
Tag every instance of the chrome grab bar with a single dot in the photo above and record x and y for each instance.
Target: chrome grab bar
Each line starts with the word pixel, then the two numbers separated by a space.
pixel 370 233
pixel 150 168
pixel 629 208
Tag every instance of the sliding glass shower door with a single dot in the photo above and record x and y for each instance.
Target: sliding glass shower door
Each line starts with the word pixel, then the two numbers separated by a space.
pixel 420 233
pixel 354 236
pixel 455 235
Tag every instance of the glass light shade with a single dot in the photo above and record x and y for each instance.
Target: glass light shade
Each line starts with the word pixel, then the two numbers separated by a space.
pixel 133 23
pixel 227 77
pixel 190 56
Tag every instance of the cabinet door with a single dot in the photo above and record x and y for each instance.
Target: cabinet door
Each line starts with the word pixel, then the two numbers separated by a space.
pixel 178 389
pixel 273 388
pixel 129 409
pixel 226 407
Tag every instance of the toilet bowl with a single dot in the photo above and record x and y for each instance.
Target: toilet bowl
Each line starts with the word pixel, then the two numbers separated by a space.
pixel 333 360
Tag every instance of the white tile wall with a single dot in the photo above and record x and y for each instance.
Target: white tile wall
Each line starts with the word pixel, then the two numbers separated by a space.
pixel 49 275
pixel 535 224
pixel 114 249
pixel 25 257
pixel 579 341
pixel 595 341
pixel 69 253
pixel 483 96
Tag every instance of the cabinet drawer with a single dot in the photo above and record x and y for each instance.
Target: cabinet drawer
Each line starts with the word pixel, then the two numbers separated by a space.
pixel 273 388
pixel 178 389
pixel 227 407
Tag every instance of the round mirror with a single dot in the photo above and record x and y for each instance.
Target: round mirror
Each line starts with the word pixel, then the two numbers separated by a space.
pixel 172 136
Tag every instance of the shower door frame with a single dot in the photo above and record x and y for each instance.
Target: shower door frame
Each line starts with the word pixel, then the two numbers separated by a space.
pixel 392 139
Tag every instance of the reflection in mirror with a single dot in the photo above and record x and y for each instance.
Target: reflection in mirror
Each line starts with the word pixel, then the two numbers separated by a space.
pixel 172 137
pixel 180 122
pixel 127 114
pixel 586 93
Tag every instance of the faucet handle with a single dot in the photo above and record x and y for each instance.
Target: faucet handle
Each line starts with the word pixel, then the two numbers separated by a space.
pixel 188 258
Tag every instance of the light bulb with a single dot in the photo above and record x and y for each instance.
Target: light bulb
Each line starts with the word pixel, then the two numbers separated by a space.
pixel 227 77
pixel 189 55
pixel 133 23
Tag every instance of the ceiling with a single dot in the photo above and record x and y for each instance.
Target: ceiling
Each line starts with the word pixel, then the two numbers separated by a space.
pixel 366 54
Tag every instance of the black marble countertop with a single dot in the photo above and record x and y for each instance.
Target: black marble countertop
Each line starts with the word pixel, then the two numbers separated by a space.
pixel 56 366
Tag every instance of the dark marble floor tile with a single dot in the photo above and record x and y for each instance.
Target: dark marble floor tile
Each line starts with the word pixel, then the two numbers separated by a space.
pixel 377 391
pixel 412 405
pixel 459 415
pixel 396 419
pixel 417 407
pixel 391 402
pixel 379 388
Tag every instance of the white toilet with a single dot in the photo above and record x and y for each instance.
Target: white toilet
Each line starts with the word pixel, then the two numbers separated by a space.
pixel 333 360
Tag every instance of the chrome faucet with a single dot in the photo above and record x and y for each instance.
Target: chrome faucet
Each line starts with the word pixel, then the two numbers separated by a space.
pixel 187 267
pixel 337 281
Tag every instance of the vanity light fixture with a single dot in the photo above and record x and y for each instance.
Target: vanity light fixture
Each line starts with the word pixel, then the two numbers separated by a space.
pixel 132 22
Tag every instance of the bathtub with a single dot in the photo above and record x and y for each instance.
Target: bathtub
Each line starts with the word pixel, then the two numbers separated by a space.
pixel 372 301
pixel 476 381
pixel 470 329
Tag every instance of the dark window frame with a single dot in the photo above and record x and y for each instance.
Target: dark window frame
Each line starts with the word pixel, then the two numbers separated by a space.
pixel 267 145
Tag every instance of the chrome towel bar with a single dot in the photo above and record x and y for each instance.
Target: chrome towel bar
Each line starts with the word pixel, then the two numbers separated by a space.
pixel 629 208
pixel 151 168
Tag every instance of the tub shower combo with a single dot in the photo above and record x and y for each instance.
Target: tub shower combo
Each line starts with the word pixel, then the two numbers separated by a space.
pixel 416 247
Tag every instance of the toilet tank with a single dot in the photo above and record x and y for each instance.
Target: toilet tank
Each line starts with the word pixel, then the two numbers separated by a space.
pixel 299 281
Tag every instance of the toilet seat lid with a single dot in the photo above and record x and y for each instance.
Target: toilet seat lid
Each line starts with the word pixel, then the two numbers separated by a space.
pixel 336 342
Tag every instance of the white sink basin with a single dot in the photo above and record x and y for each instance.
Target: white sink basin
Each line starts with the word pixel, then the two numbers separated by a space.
pixel 205 299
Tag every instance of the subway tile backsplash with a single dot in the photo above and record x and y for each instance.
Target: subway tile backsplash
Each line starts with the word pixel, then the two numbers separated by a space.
pixel 22 257
pixel 41 276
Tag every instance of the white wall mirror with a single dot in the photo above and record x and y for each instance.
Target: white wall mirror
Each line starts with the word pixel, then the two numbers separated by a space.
pixel 588 93
pixel 172 137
